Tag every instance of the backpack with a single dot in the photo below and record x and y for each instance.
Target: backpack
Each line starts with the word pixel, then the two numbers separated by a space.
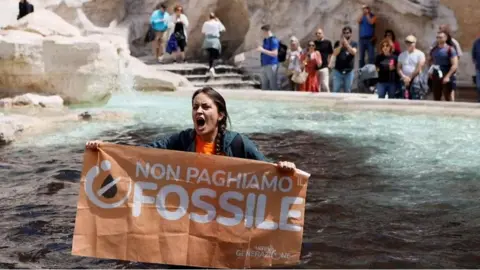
pixel 282 50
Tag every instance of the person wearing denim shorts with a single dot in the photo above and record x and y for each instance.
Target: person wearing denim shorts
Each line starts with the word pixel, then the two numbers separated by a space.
pixel 344 52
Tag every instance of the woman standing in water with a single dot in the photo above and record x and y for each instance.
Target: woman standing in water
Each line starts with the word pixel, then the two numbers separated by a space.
pixel 209 134
pixel 211 29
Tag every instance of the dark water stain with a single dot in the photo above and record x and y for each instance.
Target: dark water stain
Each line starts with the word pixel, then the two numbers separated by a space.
pixel 51 188
pixel 346 224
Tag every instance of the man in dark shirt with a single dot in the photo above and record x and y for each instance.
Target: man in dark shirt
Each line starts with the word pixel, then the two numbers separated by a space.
pixel 24 8
pixel 324 46
pixel 344 50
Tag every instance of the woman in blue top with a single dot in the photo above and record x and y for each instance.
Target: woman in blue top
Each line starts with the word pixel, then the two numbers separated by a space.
pixel 159 22
pixel 209 134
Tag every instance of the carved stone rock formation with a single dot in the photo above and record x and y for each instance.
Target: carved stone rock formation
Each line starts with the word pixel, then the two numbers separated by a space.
pixel 243 19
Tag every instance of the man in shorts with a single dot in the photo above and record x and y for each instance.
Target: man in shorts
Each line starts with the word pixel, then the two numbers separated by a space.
pixel 445 61
pixel 410 65
pixel 159 21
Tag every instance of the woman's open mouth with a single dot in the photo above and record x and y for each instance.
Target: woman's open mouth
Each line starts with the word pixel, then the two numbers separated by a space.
pixel 200 122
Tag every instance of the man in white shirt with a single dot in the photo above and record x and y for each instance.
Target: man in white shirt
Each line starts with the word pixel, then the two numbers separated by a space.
pixel 410 65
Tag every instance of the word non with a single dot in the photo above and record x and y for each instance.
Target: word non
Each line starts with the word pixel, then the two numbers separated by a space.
pixel 218 178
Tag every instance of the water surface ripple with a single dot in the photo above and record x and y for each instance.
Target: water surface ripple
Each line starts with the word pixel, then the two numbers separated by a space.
pixel 359 214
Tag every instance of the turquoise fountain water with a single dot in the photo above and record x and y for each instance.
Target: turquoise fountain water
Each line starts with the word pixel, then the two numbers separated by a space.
pixel 411 201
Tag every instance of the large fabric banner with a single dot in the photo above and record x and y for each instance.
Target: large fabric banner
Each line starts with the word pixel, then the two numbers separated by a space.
pixel 181 208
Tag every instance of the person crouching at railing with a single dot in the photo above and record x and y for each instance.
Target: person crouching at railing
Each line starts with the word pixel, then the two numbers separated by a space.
pixel 209 134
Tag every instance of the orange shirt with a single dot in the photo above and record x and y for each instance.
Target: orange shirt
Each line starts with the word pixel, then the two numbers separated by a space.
pixel 204 147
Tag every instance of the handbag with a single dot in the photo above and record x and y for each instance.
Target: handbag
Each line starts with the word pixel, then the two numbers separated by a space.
pixel 299 77
pixel 150 36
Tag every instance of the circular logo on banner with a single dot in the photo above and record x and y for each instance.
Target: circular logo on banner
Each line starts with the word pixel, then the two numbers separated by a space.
pixel 105 190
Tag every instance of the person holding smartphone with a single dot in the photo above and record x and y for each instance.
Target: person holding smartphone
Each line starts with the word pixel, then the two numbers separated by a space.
pixel 344 53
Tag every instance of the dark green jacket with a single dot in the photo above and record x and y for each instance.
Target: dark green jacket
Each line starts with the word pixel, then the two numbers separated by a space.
pixel 185 141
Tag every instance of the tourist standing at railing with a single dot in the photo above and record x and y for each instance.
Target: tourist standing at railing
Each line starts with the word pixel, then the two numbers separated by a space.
pixel 324 46
pixel 444 63
pixel 367 22
pixel 212 29
pixel 389 34
pixel 159 22
pixel 410 65
pixel 455 44
pixel 476 61
pixel 311 60
pixel 293 62
pixel 344 54
pixel 269 59
pixel 386 63
pixel 179 38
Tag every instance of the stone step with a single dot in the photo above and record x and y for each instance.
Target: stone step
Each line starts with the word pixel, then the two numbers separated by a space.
pixel 218 77
pixel 196 69
pixel 229 84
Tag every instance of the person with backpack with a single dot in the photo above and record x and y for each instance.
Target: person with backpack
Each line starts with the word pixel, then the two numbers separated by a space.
pixel 410 66
pixel 451 41
pixel 272 52
pixel 178 40
pixel 209 134
pixel 444 63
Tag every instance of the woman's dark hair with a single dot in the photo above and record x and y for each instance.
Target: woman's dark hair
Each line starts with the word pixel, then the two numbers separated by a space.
pixel 222 108
pixel 449 37
pixel 348 28
pixel 161 6
pixel 389 31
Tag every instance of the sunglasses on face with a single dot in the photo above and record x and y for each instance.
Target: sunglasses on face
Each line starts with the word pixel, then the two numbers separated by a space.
pixel 346 33
pixel 311 45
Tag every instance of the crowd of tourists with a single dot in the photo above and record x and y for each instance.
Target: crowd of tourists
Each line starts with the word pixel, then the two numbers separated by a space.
pixel 169 35
pixel 393 72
